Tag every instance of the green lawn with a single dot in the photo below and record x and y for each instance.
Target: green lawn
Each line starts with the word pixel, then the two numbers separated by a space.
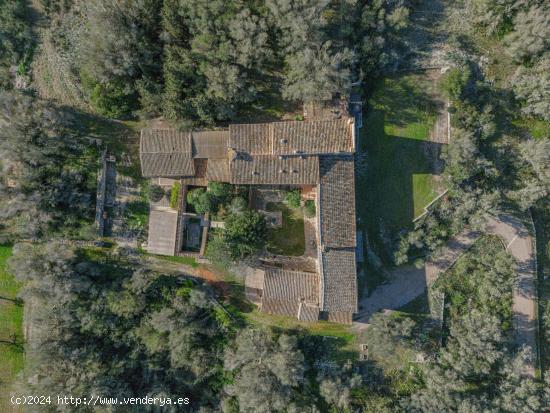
pixel 290 238
pixel 11 319
pixel 399 180
pixel 179 260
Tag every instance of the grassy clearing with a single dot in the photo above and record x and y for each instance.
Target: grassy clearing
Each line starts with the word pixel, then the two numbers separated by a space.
pixel 399 181
pixel 347 340
pixel 11 321
pixel 290 238
pixel 179 260
pixel 537 128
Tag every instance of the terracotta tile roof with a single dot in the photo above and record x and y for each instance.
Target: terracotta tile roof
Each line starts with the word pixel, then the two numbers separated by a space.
pixel 210 144
pixel 165 141
pixel 291 293
pixel 253 138
pixel 337 201
pixel 291 285
pixel 280 307
pixel 293 170
pixel 218 170
pixel 313 137
pixel 308 312
pixel 342 317
pixel 199 179
pixel 339 280
pixel 330 136
pixel 166 152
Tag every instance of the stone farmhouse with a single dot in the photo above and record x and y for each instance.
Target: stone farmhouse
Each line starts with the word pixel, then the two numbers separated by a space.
pixel 315 155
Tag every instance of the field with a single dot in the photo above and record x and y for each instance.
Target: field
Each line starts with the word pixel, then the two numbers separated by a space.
pixel 290 238
pixel 11 334
pixel 400 175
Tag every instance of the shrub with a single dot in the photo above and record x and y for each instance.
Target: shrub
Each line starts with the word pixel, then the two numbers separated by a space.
pixel 193 194
pixel 204 203
pixel 113 100
pixel 218 251
pixel 245 233
pixel 238 205
pixel 309 209
pixel 175 195
pixel 454 82
pixel 201 200
pixel 156 193
pixel 220 189
pixel 293 198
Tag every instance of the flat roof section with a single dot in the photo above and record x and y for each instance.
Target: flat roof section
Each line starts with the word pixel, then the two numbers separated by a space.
pixel 162 232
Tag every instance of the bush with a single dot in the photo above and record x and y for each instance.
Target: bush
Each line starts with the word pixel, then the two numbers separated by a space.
pixel 309 209
pixel 204 203
pixel 245 233
pixel 113 100
pixel 238 205
pixel 220 189
pixel 201 200
pixel 454 82
pixel 218 251
pixel 175 195
pixel 156 193
pixel 293 198
pixel 193 194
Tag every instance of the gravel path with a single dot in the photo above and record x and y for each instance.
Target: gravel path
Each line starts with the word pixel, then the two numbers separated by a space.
pixel 519 244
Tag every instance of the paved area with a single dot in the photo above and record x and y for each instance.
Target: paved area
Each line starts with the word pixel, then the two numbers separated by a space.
pixel 310 237
pixel 519 244
pixel 408 282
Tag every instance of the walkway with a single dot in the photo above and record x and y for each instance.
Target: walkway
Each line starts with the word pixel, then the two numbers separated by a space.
pixel 408 282
pixel 519 244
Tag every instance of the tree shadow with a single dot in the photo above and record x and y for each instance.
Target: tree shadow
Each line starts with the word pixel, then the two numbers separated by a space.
pixel 420 40
pixel 401 103
pixel 398 171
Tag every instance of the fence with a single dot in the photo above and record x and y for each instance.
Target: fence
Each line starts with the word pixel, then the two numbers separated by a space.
pixel 100 195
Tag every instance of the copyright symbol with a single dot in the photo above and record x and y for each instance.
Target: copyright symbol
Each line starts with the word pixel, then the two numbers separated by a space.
pixel 15 400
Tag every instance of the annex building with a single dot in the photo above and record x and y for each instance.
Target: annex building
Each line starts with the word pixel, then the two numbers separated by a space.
pixel 315 155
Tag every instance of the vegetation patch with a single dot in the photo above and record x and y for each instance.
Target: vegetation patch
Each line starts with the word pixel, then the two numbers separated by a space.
pixel 399 182
pixel 320 328
pixel 175 195
pixel 179 260
pixel 481 279
pixel 11 333
pixel 309 208
pixel 290 238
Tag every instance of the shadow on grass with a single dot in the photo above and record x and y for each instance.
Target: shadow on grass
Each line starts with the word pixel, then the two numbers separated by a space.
pixel 403 102
pixel 398 179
